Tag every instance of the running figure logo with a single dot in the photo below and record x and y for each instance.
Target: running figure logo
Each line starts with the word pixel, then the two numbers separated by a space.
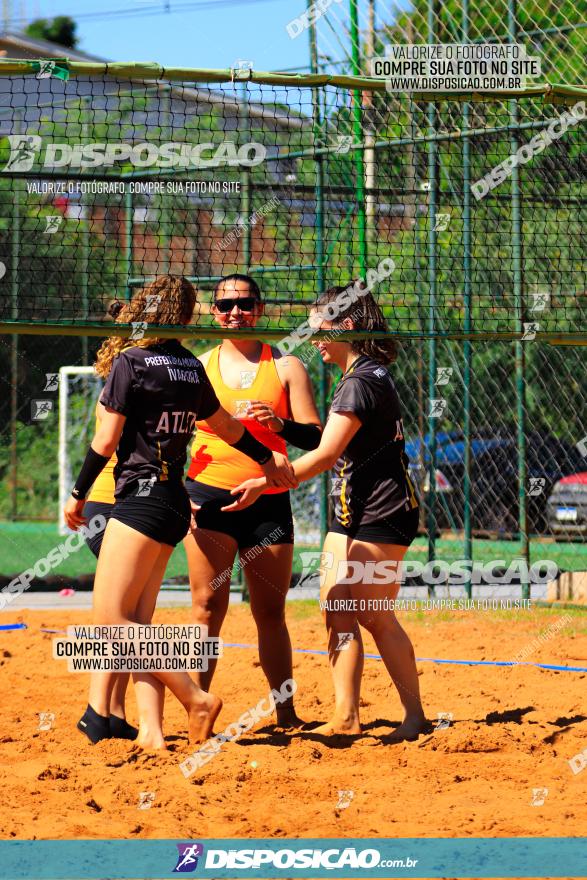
pixel 40 410
pixel 145 486
pixel 344 641
pixel 444 720
pixel 187 860
pixel 52 382
pixel 52 223
pixel 314 562
pixel 23 151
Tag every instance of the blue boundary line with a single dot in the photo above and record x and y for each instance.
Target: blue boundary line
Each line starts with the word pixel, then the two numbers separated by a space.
pixel 436 660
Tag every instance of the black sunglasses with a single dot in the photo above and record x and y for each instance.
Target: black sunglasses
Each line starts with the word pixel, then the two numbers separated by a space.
pixel 244 303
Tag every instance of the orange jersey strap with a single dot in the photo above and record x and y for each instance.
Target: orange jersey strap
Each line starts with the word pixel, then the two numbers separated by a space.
pixel 214 462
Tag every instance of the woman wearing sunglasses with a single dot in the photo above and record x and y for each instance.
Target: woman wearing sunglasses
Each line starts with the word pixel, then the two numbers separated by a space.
pixel 273 397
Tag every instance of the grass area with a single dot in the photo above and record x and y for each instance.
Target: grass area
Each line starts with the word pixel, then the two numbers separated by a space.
pixel 303 609
pixel 22 543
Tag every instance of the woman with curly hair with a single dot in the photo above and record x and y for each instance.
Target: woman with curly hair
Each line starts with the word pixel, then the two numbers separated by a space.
pixel 155 392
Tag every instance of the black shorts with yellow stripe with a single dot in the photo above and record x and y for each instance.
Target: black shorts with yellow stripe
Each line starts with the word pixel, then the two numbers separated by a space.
pixel 400 528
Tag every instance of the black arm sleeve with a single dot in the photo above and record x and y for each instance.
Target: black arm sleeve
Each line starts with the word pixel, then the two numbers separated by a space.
pixel 93 464
pixel 250 446
pixel 300 435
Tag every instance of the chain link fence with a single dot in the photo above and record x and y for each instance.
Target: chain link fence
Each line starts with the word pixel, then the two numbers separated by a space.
pixel 488 293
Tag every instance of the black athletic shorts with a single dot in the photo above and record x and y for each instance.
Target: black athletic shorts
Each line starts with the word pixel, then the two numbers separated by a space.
pixel 269 520
pixel 91 509
pixel 401 528
pixel 161 511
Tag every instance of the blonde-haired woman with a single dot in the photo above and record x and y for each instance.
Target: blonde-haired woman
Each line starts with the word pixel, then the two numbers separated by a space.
pixel 155 392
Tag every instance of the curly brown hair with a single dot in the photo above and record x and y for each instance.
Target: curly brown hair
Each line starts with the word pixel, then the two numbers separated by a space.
pixel 365 315
pixel 168 300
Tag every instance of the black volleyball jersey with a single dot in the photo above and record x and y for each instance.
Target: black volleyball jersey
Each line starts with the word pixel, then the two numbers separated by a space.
pixel 163 391
pixel 370 480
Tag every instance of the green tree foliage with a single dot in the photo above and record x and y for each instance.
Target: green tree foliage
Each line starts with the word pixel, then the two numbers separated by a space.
pixel 60 30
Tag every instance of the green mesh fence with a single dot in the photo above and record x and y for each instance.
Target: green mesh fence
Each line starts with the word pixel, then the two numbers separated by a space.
pixel 304 182
pixel 275 179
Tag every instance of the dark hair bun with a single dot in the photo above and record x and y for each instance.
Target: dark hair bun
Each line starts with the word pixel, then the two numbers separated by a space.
pixel 115 308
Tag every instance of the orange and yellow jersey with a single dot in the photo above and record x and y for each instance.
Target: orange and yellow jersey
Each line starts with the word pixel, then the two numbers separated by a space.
pixel 214 462
pixel 103 489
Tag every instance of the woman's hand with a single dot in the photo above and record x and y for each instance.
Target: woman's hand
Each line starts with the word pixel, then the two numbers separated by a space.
pixel 279 472
pixel 195 507
pixel 264 414
pixel 73 513
pixel 248 492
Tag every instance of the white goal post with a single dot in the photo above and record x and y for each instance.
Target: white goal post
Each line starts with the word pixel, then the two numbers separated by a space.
pixel 76 425
pixel 79 389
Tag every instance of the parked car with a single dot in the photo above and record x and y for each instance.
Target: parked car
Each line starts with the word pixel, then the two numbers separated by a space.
pixel 567 506
pixel 494 478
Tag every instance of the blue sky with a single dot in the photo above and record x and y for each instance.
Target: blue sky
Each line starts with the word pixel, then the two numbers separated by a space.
pixel 210 37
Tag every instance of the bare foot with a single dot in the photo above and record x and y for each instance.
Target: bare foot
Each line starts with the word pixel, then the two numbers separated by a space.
pixel 410 729
pixel 287 719
pixel 349 726
pixel 201 716
pixel 150 740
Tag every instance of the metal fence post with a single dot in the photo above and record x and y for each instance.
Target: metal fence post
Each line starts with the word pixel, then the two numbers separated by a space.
pixel 320 269
pixel 518 290
pixel 433 182
pixel 467 348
